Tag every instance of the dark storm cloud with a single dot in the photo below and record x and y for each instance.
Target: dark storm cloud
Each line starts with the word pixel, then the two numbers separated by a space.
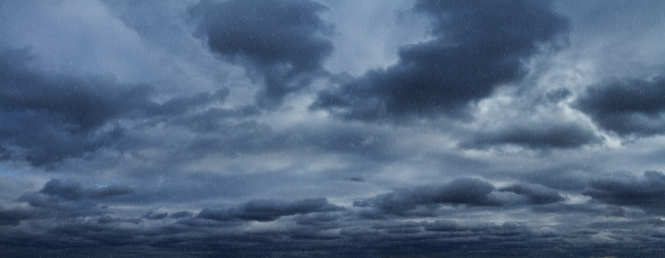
pixel 184 166
pixel 558 136
pixel 83 103
pixel 477 47
pixel 462 192
pixel 49 117
pixel 13 217
pixel 467 191
pixel 284 41
pixel 268 210
pixel 76 191
pixel 647 192
pixel 626 107
pixel 66 200
pixel 106 219
pixel 586 209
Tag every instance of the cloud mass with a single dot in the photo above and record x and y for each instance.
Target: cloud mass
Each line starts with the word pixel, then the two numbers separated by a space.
pixel 477 46
pixel 290 128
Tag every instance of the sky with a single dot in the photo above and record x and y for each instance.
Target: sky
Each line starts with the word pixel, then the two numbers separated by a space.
pixel 292 128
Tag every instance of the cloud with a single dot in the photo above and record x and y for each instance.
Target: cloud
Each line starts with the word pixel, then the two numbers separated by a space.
pixel 284 41
pixel 626 107
pixel 476 48
pixel 13 217
pixel 557 136
pixel 647 192
pixel 466 191
pixel 75 191
pixel 152 215
pixel 354 179
pixel 462 192
pixel 50 117
pixel 182 214
pixel 536 194
pixel 268 210
pixel 475 152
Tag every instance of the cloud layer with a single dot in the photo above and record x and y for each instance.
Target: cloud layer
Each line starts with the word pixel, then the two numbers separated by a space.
pixel 338 129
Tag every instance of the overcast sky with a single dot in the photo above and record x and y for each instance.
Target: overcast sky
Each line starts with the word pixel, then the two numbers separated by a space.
pixel 332 128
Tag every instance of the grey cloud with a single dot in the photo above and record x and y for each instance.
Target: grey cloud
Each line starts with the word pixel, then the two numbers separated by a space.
pixel 591 209
pixel 467 191
pixel 179 105
pixel 317 219
pixel 13 217
pixel 75 191
pixel 107 219
pixel 647 192
pixel 60 208
pixel 66 200
pixel 182 214
pixel 626 107
pixel 268 210
pixel 284 41
pixel 188 145
pixel 242 136
pixel 536 194
pixel 355 179
pixel 557 95
pixel 214 119
pixel 152 215
pixel 477 47
pixel 508 230
pixel 82 103
pixel 50 117
pixel 557 136
pixel 424 200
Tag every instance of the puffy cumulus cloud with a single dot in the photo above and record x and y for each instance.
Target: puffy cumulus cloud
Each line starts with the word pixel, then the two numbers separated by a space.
pixel 626 107
pixel 477 46
pixel 646 193
pixel 49 117
pixel 284 41
pixel 555 136
pixel 268 210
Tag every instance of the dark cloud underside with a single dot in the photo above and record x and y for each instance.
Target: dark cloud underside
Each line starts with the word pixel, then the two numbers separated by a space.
pixel 627 107
pixel 75 191
pixel 284 41
pixel 536 137
pixel 647 192
pixel 50 117
pixel 477 47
